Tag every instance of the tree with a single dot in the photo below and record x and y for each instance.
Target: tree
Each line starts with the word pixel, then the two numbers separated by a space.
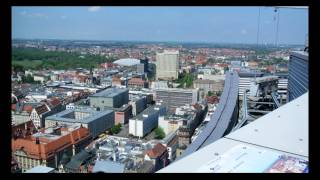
pixel 210 93
pixel 116 129
pixel 160 134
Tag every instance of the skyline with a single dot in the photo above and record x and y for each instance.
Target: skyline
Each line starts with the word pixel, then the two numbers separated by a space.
pixel 238 25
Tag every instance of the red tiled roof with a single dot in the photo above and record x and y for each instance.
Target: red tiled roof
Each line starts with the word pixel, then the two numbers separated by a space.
pixel 156 151
pixel 54 102
pixel 13 107
pixel 41 109
pixel 27 108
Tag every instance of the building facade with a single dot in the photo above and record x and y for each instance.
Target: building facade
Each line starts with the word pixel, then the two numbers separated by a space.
pixel 122 115
pixel 110 98
pixel 174 97
pixel 167 65
pixel 47 147
pixel 96 121
pixel 298 81
pixel 146 121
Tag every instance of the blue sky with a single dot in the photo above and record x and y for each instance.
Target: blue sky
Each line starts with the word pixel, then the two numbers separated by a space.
pixel 193 24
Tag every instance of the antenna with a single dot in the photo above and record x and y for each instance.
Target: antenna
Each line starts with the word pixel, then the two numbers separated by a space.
pixel 258 28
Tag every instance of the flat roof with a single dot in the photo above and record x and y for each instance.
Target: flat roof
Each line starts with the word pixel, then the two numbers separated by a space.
pixel 149 110
pixel 110 92
pixel 93 115
pixel 177 90
pixel 40 169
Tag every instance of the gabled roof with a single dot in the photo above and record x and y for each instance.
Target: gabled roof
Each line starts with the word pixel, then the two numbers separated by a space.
pixel 42 109
pixel 53 102
pixel 156 151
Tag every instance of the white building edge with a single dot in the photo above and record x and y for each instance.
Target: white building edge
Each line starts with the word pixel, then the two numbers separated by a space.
pixel 256 146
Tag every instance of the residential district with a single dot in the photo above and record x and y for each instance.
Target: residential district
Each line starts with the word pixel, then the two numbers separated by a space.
pixel 136 113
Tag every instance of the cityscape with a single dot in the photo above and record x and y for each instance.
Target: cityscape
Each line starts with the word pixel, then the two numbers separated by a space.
pixel 159 89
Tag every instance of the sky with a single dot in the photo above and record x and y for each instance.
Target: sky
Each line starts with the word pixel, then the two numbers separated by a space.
pixel 178 24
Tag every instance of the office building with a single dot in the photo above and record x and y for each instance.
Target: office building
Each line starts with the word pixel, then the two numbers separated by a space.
pixel 138 103
pixel 146 121
pixel 96 121
pixel 298 81
pixel 208 85
pixel 110 98
pixel 174 97
pixel 167 65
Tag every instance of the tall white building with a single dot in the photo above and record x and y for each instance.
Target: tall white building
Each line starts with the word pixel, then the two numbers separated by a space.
pixel 167 65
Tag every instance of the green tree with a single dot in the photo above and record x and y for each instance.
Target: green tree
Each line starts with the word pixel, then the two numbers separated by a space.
pixel 210 93
pixel 116 129
pixel 160 134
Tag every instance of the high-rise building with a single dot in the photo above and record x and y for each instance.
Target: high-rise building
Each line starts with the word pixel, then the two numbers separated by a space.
pixel 167 65
pixel 298 74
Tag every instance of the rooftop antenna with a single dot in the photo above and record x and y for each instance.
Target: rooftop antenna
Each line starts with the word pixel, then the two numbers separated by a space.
pixel 276 10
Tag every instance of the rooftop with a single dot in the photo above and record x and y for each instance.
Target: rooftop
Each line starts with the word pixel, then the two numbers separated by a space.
pixel 148 111
pixel 127 62
pixel 108 167
pixel 110 92
pixel 68 115
pixel 40 169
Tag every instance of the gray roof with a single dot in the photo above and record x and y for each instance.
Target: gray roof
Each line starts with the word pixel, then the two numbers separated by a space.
pixel 108 167
pixel 150 110
pixel 110 92
pixel 93 115
pixel 78 159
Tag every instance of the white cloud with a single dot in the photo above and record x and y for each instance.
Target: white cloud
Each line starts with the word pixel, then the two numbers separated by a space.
pixel 94 8
pixel 33 15
pixel 243 31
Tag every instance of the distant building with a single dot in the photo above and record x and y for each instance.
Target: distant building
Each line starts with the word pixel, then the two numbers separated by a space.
pixel 208 85
pixel 171 142
pixel 174 97
pixel 171 123
pixel 298 81
pixel 123 114
pixel 48 108
pixel 47 146
pixel 110 98
pixel 146 121
pixel 158 155
pixel 79 163
pixel 96 121
pixel 167 65
pixel 138 83
pixel 117 81
pixel 41 78
pixel 138 103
